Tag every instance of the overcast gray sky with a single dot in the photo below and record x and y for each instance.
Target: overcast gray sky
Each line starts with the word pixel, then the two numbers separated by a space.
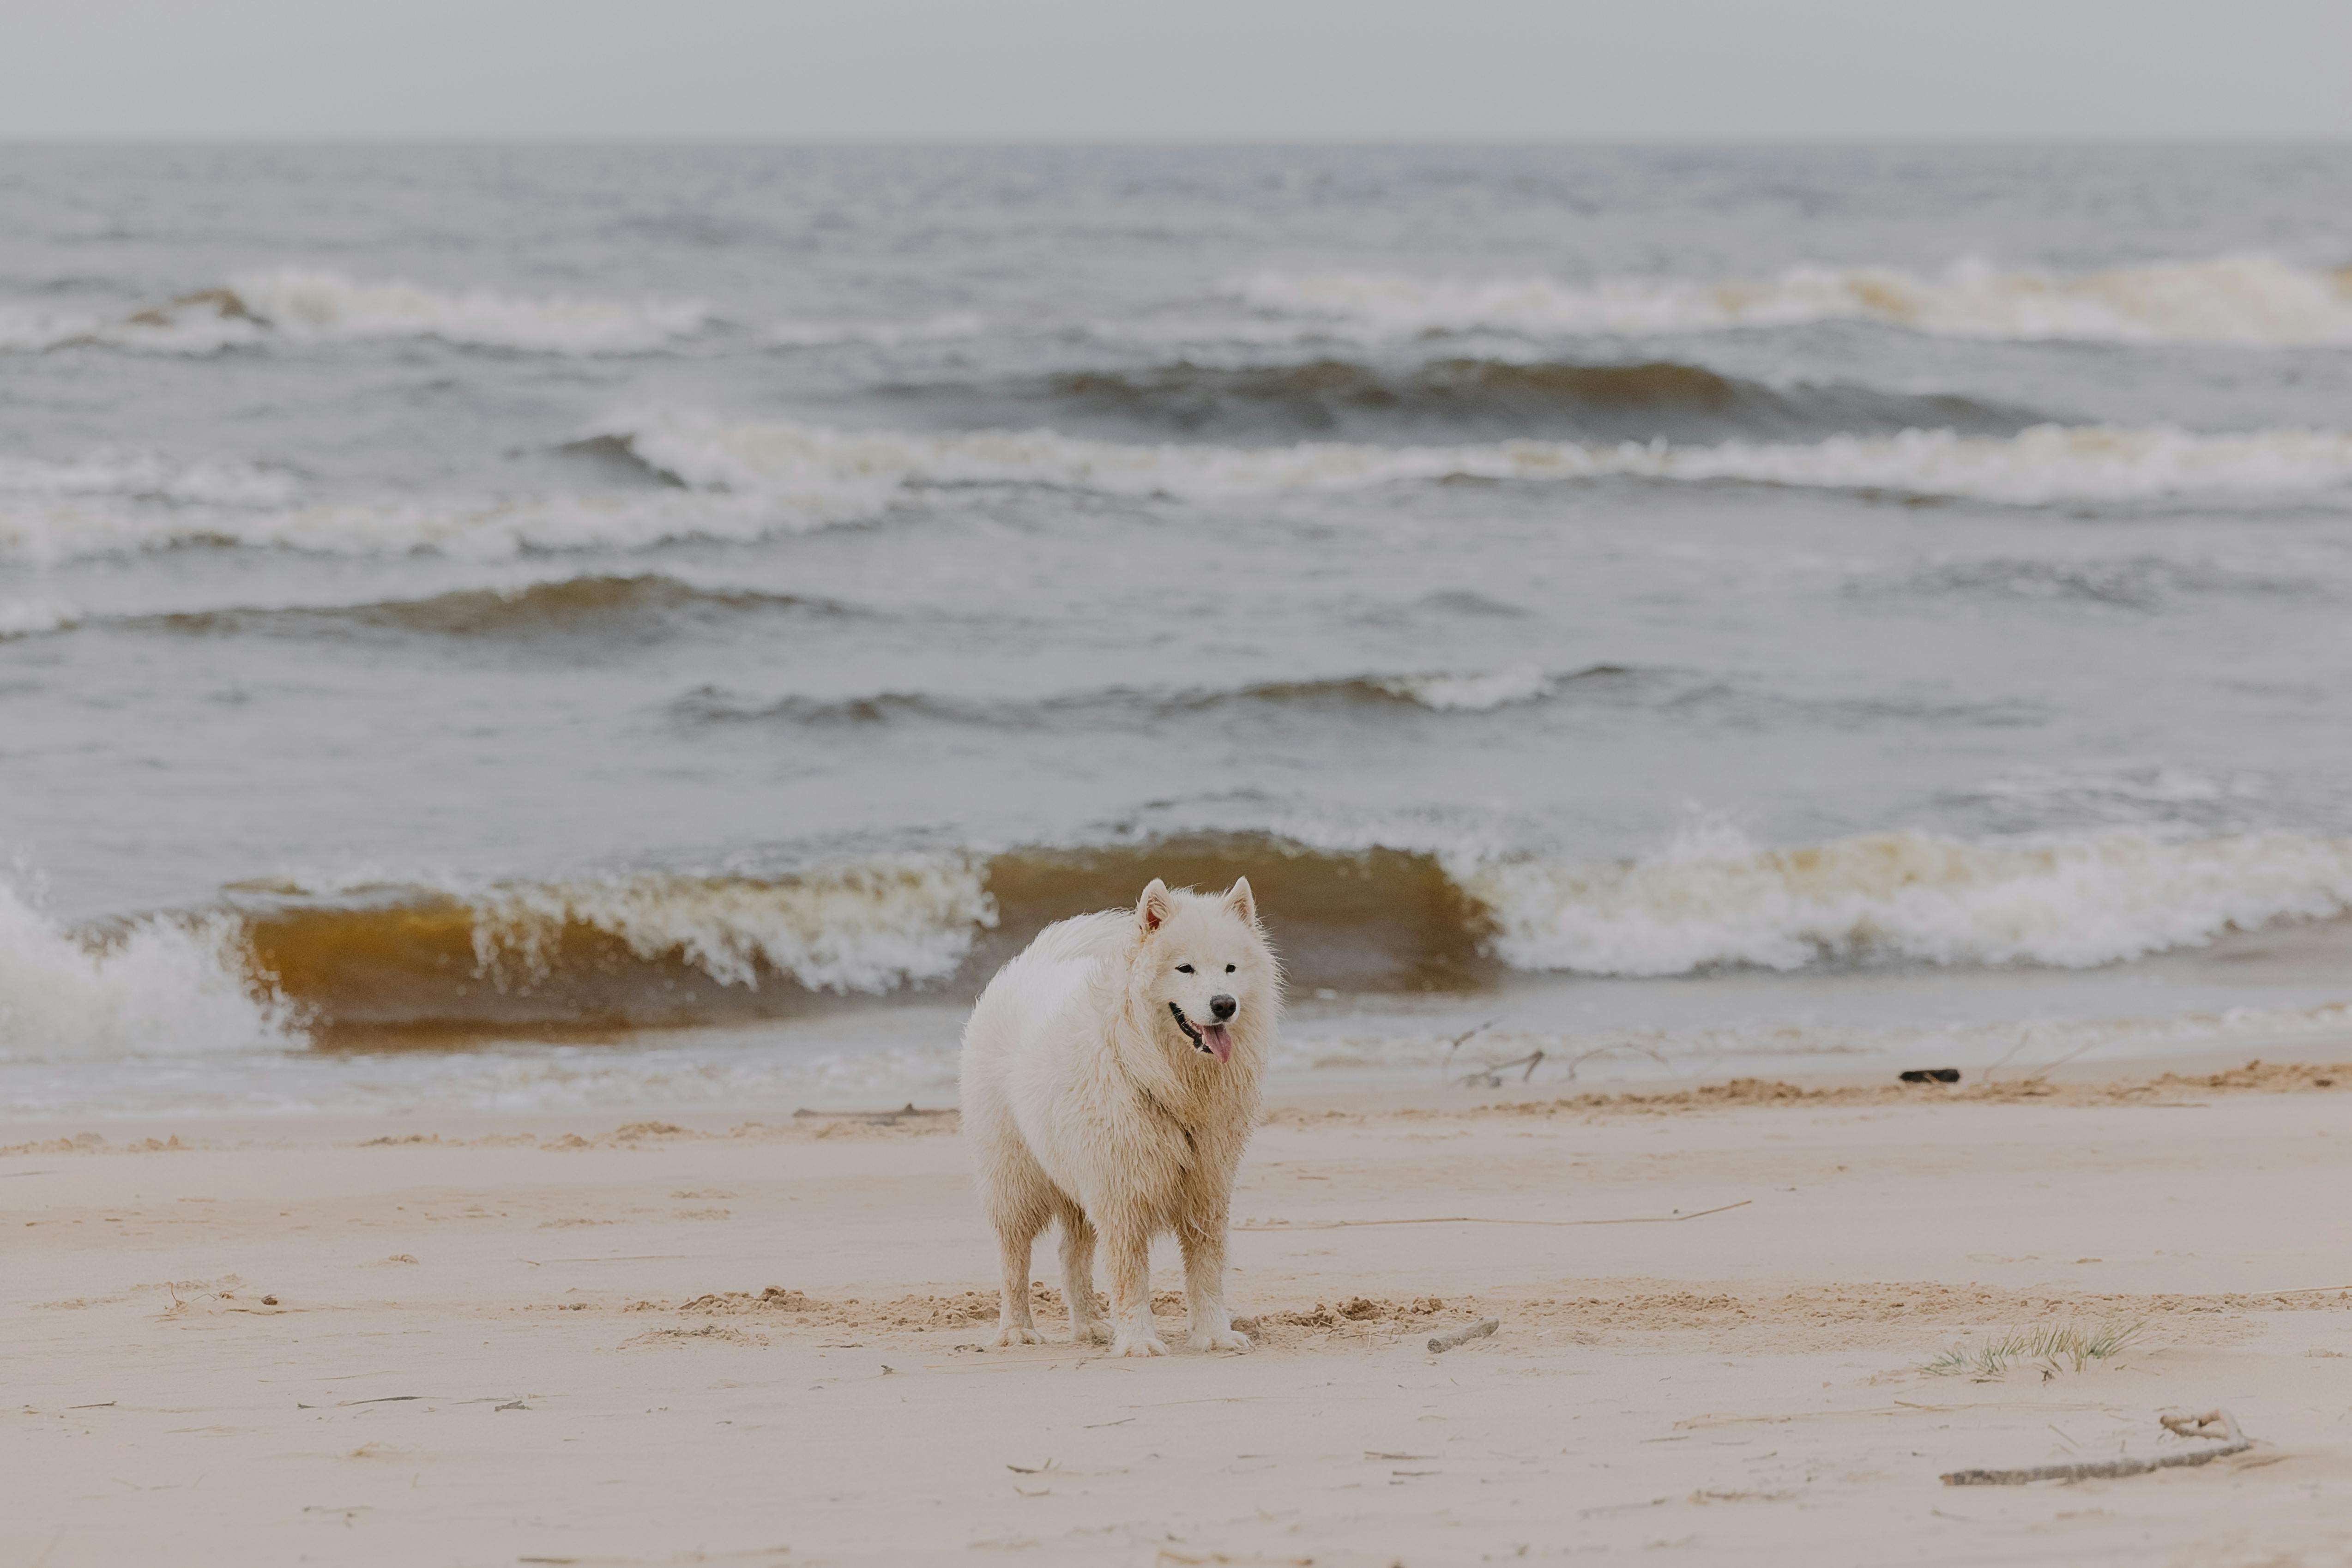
pixel 1182 70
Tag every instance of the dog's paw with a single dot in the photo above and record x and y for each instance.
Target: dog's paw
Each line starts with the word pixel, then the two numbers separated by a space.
pixel 1008 1335
pixel 1138 1344
pixel 1094 1331
pixel 1219 1340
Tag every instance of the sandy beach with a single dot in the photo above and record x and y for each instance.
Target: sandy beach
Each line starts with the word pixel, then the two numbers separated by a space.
pixel 475 1340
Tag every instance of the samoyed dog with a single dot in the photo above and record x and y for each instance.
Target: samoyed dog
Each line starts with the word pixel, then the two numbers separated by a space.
pixel 1111 1078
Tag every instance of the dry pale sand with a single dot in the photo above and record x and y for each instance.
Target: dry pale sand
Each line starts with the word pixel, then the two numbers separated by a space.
pixel 498 1342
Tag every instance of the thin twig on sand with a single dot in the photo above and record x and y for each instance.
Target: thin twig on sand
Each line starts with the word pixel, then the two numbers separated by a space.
pixel 1458 1041
pixel 1491 1075
pixel 1619 1048
pixel 1440 1343
pixel 2211 1424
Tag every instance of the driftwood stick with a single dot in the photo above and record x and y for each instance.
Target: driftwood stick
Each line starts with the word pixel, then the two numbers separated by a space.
pixel 1440 1343
pixel 2211 1424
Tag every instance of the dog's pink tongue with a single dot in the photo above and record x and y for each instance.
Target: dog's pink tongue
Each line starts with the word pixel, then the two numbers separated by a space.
pixel 1219 1041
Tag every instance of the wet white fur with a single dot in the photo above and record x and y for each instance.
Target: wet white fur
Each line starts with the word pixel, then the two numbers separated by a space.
pixel 1084 1103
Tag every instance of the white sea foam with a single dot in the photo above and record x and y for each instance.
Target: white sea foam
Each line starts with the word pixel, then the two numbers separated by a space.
pixel 952 327
pixel 31 617
pixel 817 466
pixel 1714 898
pixel 317 305
pixel 308 305
pixel 1481 693
pixel 2151 787
pixel 25 328
pixel 869 927
pixel 469 527
pixel 147 476
pixel 2249 300
pixel 160 987
pixel 197 326
pixel 750 481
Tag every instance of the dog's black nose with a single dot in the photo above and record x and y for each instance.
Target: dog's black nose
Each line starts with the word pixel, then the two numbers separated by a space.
pixel 1224 1007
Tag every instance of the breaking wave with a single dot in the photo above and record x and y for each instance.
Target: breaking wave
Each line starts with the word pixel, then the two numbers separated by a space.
pixel 139 475
pixel 2248 301
pixel 1109 707
pixel 31 617
pixel 376 959
pixel 815 467
pixel 1713 899
pixel 372 957
pixel 145 987
pixel 303 306
pixel 746 481
pixel 118 503
pixel 598 607
pixel 1605 401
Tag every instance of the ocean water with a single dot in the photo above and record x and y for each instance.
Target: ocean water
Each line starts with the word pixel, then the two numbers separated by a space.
pixel 557 628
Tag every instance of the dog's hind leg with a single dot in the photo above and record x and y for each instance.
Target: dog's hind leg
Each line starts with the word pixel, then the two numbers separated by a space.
pixel 1128 1238
pixel 1016 1234
pixel 1013 1325
pixel 1086 1326
pixel 1202 1236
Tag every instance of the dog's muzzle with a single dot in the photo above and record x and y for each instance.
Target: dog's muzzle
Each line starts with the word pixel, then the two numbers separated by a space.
pixel 1210 1039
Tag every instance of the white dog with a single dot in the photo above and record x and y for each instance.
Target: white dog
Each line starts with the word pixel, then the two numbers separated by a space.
pixel 1110 1079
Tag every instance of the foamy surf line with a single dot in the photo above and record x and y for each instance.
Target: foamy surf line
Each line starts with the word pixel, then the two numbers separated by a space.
pixel 1449 693
pixel 2016 1045
pixel 746 481
pixel 365 957
pixel 2044 464
pixel 2244 300
pixel 840 1063
pixel 815 468
pixel 299 305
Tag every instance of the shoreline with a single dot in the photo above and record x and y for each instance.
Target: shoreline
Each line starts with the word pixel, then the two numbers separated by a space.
pixel 2305 1066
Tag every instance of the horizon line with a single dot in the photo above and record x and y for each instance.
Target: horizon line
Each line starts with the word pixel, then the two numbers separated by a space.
pixel 820 142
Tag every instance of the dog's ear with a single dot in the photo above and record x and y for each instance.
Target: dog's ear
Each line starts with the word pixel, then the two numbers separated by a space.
pixel 1241 901
pixel 1153 908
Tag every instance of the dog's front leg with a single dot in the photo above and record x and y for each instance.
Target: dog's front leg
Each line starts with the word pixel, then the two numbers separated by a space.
pixel 1129 1242
pixel 1204 1238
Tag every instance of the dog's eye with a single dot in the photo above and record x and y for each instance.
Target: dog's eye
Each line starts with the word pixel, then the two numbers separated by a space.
pixel 1183 969
pixel 1229 969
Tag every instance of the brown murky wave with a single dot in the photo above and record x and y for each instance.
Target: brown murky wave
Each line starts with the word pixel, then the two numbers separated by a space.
pixel 595 607
pixel 1631 401
pixel 408 966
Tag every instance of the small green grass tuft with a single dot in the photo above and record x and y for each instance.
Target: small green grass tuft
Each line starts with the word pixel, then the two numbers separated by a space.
pixel 2052 1347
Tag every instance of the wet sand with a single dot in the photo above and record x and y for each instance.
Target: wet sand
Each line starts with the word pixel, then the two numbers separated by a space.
pixel 476 1340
